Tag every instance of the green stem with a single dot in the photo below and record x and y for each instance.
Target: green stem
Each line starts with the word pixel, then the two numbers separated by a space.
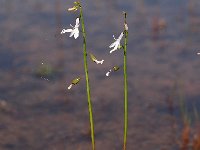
pixel 125 85
pixel 87 79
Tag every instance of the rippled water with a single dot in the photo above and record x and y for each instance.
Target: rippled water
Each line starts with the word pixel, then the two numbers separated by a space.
pixel 37 112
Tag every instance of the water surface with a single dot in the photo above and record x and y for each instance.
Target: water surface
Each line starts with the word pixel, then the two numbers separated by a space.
pixel 37 112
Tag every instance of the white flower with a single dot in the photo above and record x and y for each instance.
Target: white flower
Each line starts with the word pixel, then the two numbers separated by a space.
pixel 116 44
pixel 115 68
pixel 99 62
pixel 198 53
pixel 74 31
pixel 95 59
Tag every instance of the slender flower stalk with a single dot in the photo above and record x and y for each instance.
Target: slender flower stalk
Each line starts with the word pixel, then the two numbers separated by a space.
pixel 87 77
pixel 125 82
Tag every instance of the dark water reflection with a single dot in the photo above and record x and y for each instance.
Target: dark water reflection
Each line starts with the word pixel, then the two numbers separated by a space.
pixel 37 64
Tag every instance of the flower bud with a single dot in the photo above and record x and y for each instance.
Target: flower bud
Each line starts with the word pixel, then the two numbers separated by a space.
pixel 73 8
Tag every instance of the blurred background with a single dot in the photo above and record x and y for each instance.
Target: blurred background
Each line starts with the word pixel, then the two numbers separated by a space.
pixel 37 64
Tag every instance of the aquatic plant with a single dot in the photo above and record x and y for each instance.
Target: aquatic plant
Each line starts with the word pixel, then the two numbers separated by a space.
pixel 189 138
pixel 116 45
pixel 45 71
pixel 125 82
pixel 75 32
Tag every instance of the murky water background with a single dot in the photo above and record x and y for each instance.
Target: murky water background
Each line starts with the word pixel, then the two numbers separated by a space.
pixel 37 112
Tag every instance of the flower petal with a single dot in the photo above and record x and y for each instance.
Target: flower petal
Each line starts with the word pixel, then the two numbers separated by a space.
pixel 113 50
pixel 77 22
pixel 99 62
pixel 72 33
pixel 63 31
pixel 120 36
pixel 76 33
pixel 116 45
pixel 68 30
pixel 119 46
pixel 108 73
pixel 112 45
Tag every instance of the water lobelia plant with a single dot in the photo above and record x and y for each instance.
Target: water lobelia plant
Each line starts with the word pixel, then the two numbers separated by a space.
pixel 116 45
pixel 74 31
pixel 125 82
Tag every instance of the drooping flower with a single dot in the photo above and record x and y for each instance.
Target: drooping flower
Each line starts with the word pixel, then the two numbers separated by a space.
pixel 115 68
pixel 74 31
pixel 73 8
pixel 94 59
pixel 116 44
pixel 74 82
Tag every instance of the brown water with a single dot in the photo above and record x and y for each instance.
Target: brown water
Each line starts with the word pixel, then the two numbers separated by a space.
pixel 37 112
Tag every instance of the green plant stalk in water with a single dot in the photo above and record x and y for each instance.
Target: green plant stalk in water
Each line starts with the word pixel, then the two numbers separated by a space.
pixel 125 83
pixel 87 79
